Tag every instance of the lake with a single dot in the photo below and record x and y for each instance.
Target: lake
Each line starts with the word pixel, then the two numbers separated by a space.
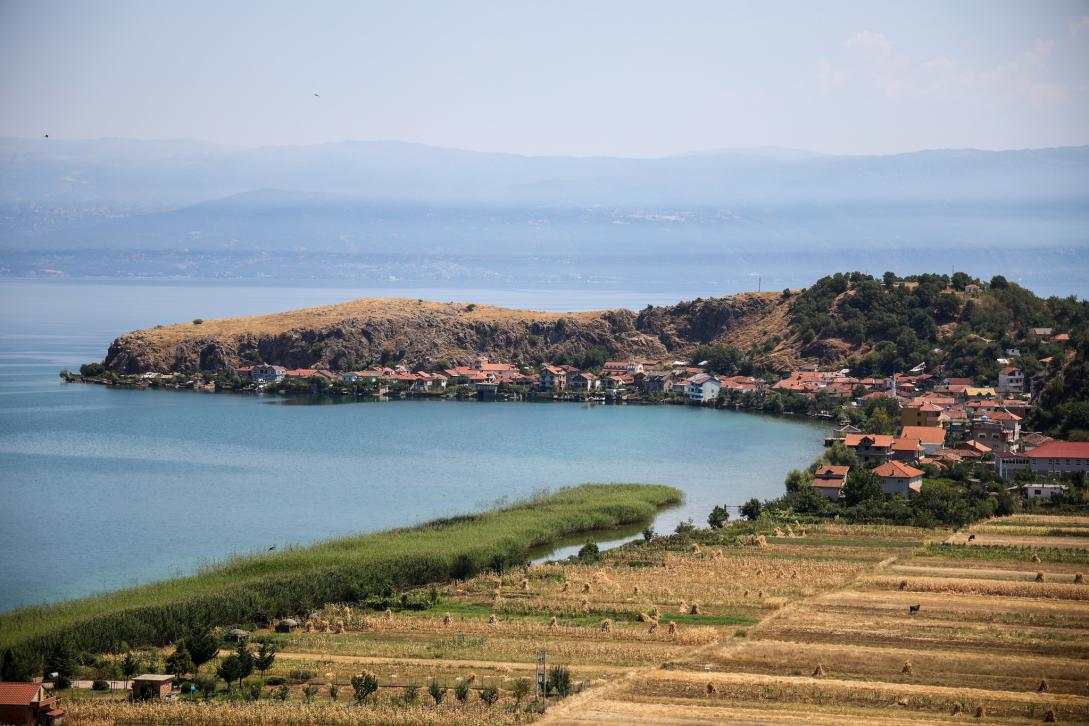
pixel 105 488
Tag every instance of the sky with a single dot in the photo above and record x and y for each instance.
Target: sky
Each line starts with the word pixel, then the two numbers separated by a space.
pixel 572 78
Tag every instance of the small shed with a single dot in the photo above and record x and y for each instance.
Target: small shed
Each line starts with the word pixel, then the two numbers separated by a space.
pixel 286 625
pixel 152 685
pixel 237 634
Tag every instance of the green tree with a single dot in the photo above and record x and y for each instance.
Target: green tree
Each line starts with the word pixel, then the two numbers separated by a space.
pixel 797 479
pixel 180 662
pixel 130 666
pixel 839 454
pixel 461 692
pixel 363 685
pixel 266 656
pixel 558 680
pixel 750 510
pixel 230 670
pixel 718 517
pixel 862 485
pixel 63 659
pixel 202 646
pixel 436 691
pixel 520 689
pixel 489 695
pixel 245 659
pixel 589 553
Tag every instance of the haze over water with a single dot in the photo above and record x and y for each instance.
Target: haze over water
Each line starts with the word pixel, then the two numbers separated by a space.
pixel 118 487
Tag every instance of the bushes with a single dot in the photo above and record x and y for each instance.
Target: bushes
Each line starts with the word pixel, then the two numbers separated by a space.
pixel 100 685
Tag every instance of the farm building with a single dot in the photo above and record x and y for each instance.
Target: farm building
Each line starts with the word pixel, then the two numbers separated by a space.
pixel 28 703
pixel 152 685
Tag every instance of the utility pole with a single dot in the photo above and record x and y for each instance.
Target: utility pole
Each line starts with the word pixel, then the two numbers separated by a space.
pixel 539 677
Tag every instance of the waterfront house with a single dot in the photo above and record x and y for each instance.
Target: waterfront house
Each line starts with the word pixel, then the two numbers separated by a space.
pixel 899 478
pixel 829 480
pixel 584 382
pixel 267 374
pixel 656 381
pixel 152 685
pixel 702 388
pixel 28 704
pixel 553 378
pixel 869 448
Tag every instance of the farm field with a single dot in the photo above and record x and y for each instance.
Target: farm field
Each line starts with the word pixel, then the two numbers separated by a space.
pixel 814 624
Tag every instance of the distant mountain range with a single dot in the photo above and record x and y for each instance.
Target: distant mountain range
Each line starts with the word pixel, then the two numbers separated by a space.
pixel 383 198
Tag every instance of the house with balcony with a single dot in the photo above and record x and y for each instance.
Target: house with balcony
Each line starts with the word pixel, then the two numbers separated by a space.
pixel 702 388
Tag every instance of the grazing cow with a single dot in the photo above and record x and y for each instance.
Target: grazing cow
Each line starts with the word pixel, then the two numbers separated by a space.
pixel 912 609
pixel 971 538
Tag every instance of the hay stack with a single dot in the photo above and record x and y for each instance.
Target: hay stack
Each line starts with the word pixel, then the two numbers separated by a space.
pixel 656 613
pixel 818 672
pixel 672 628
pixel 711 690
pixel 310 626
pixel 471 678
pixel 653 627
pixel 790 532
pixel 778 532
pixel 957 708
pixel 388 616
pixel 552 624
pixel 903 584
pixel 525 584
pixel 981 711
pixel 492 620
pixel 906 670
pixel 586 587
pixel 606 626
pixel 1078 578
pixel 695 548
pixel 1043 687
pixel 1049 716
pixel 902 701
pixel 446 619
pixel 1035 557
pixel 635 590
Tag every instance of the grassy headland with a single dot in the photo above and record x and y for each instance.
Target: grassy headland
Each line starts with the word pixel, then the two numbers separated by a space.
pixel 341 570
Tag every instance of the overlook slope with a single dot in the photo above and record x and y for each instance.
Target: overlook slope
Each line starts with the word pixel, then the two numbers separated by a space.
pixel 355 333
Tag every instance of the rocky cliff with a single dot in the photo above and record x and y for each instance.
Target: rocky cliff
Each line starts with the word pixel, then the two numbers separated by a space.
pixel 353 334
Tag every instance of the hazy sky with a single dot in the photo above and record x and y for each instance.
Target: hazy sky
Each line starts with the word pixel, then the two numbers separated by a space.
pixel 617 78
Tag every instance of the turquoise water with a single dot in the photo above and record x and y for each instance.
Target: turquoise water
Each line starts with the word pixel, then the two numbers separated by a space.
pixel 105 488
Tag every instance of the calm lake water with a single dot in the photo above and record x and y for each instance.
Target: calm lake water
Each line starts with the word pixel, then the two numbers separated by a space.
pixel 107 488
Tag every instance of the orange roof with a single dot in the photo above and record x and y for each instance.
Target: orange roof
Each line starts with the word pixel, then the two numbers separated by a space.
pixel 831 472
pixel 925 434
pixel 897 470
pixel 18 694
pixel 906 444
pixel 879 440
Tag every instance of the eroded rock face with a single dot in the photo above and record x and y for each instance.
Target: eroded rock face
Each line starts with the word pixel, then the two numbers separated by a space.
pixel 351 335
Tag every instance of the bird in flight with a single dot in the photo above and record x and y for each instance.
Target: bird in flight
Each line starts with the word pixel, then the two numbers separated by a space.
pixel 270 549
pixel 47 136
pixel 316 96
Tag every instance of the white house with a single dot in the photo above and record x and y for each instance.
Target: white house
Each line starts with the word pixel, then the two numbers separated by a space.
pixel 899 478
pixel 1011 380
pixel 267 374
pixel 702 388
pixel 1041 490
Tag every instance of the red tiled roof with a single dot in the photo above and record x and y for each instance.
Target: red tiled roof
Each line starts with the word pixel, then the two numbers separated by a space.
pixel 897 470
pixel 879 440
pixel 925 434
pixel 829 472
pixel 906 444
pixel 1061 450
pixel 18 694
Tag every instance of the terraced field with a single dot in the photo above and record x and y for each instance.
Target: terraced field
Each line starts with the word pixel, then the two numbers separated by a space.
pixel 817 625
pixel 977 631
